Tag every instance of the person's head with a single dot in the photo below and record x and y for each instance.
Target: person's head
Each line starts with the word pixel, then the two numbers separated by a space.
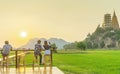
pixel 6 42
pixel 45 43
pixel 39 41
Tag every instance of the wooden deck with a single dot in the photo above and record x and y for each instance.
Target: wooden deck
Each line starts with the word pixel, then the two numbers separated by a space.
pixel 20 66
pixel 55 70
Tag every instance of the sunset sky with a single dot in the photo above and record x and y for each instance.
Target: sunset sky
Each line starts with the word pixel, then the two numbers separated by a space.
pixel 70 20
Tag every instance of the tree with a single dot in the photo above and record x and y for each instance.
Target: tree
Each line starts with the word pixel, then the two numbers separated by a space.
pixel 81 45
pixel 95 45
pixel 102 44
pixel 70 46
pixel 88 45
pixel 54 47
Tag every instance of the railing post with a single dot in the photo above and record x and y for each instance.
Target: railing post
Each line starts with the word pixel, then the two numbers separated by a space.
pixel 16 56
pixel 51 58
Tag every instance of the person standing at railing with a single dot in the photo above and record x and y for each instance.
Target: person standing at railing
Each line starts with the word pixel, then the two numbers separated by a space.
pixel 38 50
pixel 6 49
pixel 47 48
pixel 47 53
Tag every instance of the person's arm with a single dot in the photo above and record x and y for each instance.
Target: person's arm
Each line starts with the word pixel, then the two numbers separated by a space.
pixel 43 47
pixel 3 48
pixel 11 48
pixel 34 46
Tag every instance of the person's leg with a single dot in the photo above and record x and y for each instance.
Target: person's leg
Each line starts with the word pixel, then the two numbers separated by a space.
pixel 40 58
pixel 3 57
pixel 37 58
pixel 3 64
pixel 35 55
pixel 44 62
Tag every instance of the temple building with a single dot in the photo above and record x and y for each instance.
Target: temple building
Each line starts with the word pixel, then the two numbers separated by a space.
pixel 108 22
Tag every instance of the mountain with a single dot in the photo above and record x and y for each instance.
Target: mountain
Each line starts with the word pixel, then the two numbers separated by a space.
pixel 59 42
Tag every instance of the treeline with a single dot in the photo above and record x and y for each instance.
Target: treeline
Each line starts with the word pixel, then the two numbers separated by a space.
pixel 83 45
pixel 101 38
pixel 75 45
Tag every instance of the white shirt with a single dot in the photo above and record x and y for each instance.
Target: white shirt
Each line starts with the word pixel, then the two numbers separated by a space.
pixel 6 49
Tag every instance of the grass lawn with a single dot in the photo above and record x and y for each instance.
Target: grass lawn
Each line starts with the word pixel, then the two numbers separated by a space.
pixel 86 62
pixel 89 62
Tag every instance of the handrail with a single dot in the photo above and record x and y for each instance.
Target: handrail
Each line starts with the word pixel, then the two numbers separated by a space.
pixel 19 54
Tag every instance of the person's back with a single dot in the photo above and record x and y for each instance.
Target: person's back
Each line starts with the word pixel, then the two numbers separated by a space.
pixel 6 49
pixel 38 49
pixel 47 48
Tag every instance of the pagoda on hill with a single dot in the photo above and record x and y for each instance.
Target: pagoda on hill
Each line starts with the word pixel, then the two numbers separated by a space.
pixel 108 22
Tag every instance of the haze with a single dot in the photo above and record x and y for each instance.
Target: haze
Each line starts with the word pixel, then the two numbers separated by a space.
pixel 70 20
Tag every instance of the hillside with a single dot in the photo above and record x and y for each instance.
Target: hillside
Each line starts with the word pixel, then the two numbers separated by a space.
pixel 59 42
pixel 103 38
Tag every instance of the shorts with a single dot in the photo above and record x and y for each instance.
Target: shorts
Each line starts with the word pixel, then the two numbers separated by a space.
pixel 36 53
pixel 4 55
pixel 47 52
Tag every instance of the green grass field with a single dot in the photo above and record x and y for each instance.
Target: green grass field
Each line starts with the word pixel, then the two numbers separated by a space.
pixel 89 62
pixel 86 62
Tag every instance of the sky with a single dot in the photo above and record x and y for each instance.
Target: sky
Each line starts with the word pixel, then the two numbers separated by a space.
pixel 70 20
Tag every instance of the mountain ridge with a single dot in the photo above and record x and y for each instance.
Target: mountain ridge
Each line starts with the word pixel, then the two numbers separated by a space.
pixel 58 41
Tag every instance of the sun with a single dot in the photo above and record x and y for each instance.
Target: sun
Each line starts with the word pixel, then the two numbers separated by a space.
pixel 23 34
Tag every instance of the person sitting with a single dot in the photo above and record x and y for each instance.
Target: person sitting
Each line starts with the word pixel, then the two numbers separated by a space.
pixel 6 50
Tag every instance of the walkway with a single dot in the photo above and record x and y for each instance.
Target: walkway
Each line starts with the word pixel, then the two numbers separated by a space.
pixel 55 70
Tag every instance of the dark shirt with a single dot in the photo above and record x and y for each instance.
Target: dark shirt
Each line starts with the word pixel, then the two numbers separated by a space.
pixel 47 47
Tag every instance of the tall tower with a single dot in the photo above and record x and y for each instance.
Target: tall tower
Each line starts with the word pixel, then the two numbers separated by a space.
pixel 115 23
pixel 107 20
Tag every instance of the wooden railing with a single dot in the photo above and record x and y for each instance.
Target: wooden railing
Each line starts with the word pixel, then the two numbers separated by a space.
pixel 17 55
